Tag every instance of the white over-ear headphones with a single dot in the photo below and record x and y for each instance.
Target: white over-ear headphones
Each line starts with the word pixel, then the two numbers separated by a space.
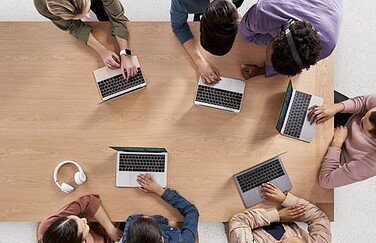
pixel 79 176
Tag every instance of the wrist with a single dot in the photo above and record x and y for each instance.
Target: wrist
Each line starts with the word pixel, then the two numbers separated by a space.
pixel 282 199
pixel 336 144
pixel 160 191
pixel 339 107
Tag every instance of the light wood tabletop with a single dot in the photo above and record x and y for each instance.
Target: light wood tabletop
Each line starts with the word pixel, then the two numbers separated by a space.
pixel 49 112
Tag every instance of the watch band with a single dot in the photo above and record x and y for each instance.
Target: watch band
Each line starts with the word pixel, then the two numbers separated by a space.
pixel 125 52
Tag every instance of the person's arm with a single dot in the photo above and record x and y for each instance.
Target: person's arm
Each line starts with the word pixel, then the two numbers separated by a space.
pixel 318 222
pixel 128 68
pixel 178 18
pixel 242 224
pixel 360 104
pixel 103 219
pixel 86 206
pixel 208 72
pixel 115 12
pixel 331 175
pixel 188 210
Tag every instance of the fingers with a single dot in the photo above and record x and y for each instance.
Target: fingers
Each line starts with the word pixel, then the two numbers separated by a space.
pixel 297 211
pixel 217 73
pixel 111 63
pixel 142 189
pixel 210 78
pixel 245 73
pixel 116 58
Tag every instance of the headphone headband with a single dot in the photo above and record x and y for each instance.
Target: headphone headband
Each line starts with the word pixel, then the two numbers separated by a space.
pixel 61 164
pixel 290 41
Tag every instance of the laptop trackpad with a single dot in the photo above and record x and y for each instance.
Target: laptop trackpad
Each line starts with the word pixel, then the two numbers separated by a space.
pixel 158 177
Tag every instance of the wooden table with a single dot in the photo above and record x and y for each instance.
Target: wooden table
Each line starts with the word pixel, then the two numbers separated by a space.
pixel 49 113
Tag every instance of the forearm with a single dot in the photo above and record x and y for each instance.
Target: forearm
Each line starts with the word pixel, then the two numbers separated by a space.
pixel 194 52
pixel 122 43
pixel 95 44
pixel 102 218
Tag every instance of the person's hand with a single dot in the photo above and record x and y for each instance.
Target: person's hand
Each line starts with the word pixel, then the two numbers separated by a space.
pixel 250 71
pixel 148 184
pixel 208 73
pixel 339 137
pixel 110 59
pixel 128 68
pixel 291 214
pixel 114 233
pixel 272 193
pixel 320 114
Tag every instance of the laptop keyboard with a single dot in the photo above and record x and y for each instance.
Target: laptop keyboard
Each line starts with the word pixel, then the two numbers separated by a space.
pixel 142 162
pixel 117 83
pixel 219 97
pixel 262 174
pixel 298 114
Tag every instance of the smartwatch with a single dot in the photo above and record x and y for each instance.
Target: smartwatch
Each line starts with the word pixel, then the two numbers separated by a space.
pixel 126 52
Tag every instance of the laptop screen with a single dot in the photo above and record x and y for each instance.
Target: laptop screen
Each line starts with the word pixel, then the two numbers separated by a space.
pixel 285 105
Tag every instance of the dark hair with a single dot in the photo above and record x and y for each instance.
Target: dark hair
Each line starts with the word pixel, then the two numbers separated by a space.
pixel 372 119
pixel 144 230
pixel 218 27
pixel 307 43
pixel 63 230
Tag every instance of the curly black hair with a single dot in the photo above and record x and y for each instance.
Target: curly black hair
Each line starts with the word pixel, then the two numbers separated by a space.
pixel 307 43
pixel 372 119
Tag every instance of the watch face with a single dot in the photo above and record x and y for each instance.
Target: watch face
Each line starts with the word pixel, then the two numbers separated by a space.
pixel 128 52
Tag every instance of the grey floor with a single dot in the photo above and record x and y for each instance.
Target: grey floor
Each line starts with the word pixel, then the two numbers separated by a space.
pixel 354 74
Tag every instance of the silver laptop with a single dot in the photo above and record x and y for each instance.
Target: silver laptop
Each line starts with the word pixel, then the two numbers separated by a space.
pixel 132 161
pixel 111 83
pixel 293 116
pixel 249 181
pixel 226 95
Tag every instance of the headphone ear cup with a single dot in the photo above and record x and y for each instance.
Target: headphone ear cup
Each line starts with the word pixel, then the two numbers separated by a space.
pixel 79 178
pixel 66 188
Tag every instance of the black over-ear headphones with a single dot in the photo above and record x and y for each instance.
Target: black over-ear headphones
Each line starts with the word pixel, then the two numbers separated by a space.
pixel 290 41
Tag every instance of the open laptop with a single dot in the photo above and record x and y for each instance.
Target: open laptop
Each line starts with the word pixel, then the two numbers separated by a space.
pixel 249 181
pixel 132 161
pixel 226 95
pixel 293 116
pixel 111 83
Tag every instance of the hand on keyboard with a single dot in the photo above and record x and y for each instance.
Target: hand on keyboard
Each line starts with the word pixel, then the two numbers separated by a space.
pixel 272 193
pixel 110 59
pixel 208 73
pixel 320 114
pixel 128 68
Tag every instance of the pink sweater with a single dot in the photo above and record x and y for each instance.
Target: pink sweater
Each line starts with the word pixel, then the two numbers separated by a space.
pixel 246 227
pixel 356 161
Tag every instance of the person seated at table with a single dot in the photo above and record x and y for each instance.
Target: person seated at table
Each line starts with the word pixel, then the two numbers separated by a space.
pixel 352 152
pixel 67 15
pixel 272 225
pixel 314 33
pixel 218 28
pixel 154 229
pixel 70 224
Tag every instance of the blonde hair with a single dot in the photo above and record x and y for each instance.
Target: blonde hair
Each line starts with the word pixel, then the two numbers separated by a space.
pixel 66 9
